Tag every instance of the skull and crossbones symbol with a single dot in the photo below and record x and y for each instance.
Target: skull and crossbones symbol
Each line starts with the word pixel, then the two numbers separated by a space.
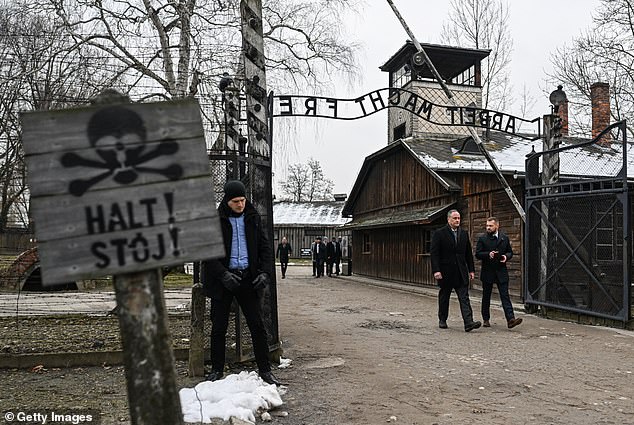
pixel 119 136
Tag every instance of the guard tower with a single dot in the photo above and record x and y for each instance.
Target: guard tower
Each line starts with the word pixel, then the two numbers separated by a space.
pixel 460 69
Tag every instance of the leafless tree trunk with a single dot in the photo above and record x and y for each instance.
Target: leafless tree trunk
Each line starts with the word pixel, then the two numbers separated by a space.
pixel 484 24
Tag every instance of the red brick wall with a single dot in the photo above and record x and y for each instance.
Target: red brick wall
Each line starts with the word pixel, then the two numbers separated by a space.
pixel 600 97
pixel 17 273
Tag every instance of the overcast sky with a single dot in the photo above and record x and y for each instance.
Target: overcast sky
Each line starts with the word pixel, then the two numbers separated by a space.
pixel 537 28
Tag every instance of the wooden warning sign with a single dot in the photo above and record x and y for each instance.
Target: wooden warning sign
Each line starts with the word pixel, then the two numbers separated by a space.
pixel 119 188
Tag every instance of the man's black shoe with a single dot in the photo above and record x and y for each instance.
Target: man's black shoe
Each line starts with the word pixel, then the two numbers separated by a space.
pixel 471 326
pixel 442 324
pixel 214 376
pixel 269 378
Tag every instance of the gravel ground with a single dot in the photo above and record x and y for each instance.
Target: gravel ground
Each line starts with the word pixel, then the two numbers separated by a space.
pixel 363 355
pixel 79 333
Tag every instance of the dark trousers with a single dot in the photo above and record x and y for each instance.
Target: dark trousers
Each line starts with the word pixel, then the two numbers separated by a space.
pixel 503 289
pixel 320 267
pixel 284 267
pixel 337 262
pixel 314 267
pixel 250 304
pixel 329 267
pixel 463 298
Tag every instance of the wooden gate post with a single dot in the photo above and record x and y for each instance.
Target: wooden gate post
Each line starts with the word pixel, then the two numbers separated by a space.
pixel 259 145
pixel 147 349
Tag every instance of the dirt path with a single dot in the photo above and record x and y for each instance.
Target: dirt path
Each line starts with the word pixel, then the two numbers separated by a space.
pixel 365 355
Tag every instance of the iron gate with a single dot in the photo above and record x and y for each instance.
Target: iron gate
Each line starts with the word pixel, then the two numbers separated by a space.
pixel 577 241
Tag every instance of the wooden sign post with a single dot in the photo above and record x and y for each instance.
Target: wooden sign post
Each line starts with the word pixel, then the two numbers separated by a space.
pixel 123 189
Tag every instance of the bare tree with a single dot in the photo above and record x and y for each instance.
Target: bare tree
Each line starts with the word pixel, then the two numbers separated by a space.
pixel 168 48
pixel 605 53
pixel 37 73
pixel 307 183
pixel 484 24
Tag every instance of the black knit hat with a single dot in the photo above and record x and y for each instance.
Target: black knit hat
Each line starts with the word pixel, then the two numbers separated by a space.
pixel 234 189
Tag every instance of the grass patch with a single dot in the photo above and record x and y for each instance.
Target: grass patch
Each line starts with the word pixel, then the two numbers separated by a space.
pixel 178 280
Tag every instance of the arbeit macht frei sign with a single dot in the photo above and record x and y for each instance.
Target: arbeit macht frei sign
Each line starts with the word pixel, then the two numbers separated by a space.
pixel 377 100
pixel 119 188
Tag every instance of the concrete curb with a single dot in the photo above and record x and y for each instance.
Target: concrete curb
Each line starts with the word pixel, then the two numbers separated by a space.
pixel 68 360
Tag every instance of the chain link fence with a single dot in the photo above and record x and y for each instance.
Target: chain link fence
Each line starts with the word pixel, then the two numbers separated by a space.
pixel 578 240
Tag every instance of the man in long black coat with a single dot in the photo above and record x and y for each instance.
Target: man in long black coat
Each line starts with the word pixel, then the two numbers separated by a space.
pixel 452 265
pixel 242 274
pixel 494 249
pixel 319 256
pixel 337 254
pixel 330 256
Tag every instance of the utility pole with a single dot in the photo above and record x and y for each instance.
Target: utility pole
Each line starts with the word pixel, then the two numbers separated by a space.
pixel 420 58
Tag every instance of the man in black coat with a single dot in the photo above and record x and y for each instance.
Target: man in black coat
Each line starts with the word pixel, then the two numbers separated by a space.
pixel 319 256
pixel 242 274
pixel 337 255
pixel 330 256
pixel 452 265
pixel 284 250
pixel 494 249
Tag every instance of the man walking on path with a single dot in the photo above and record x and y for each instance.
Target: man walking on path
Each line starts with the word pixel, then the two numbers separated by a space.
pixel 494 249
pixel 452 266
pixel 284 250
pixel 319 256
pixel 330 256
pixel 337 254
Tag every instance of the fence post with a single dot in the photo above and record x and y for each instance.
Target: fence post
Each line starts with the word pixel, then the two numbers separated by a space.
pixel 196 364
pixel 550 175
pixel 147 350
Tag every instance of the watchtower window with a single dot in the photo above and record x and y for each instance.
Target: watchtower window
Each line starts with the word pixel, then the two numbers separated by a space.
pixel 466 78
pixel 400 77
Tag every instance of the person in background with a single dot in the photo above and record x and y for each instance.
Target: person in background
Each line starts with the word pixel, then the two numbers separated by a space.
pixel 330 256
pixel 338 254
pixel 494 249
pixel 452 266
pixel 243 273
pixel 284 250
pixel 319 256
pixel 313 256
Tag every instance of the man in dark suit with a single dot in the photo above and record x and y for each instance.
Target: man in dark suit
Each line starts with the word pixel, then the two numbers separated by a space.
pixel 337 256
pixel 452 265
pixel 330 256
pixel 319 256
pixel 494 249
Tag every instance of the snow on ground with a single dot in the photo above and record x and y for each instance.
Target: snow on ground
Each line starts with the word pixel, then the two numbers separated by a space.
pixel 284 363
pixel 239 395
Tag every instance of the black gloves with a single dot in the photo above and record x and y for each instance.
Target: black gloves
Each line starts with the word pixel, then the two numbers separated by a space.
pixel 260 281
pixel 230 281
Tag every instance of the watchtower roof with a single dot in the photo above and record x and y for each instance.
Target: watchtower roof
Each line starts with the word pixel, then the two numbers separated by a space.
pixel 449 61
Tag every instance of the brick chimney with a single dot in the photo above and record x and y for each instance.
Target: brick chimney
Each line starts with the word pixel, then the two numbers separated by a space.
pixel 600 99
pixel 563 114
